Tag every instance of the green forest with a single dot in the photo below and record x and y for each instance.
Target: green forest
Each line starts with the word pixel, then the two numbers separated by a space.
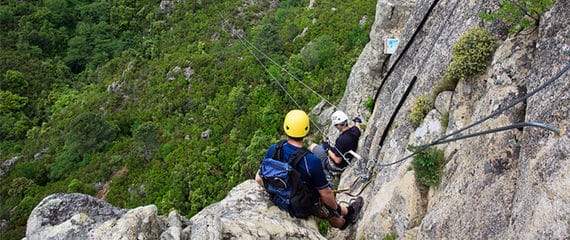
pixel 149 102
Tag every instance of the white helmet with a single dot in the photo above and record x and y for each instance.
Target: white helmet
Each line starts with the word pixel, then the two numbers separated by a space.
pixel 339 117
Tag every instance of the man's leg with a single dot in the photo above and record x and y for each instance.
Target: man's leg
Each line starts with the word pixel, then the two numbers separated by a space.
pixel 324 212
pixel 319 151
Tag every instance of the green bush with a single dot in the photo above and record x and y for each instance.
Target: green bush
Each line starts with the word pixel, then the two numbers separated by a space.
pixel 74 186
pixel 519 15
pixel 369 104
pixel 89 132
pixel 64 161
pixel 20 186
pixel 472 53
pixel 324 227
pixel 390 236
pixel 77 186
pixel 147 137
pixel 422 105
pixel 428 166
pixel 470 56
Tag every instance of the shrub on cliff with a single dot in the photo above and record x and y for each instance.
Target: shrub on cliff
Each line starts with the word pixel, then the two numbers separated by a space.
pixel 520 15
pixel 428 166
pixel 470 56
pixel 422 106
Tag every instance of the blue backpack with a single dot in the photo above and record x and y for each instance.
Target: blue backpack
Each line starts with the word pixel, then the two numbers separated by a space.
pixel 283 182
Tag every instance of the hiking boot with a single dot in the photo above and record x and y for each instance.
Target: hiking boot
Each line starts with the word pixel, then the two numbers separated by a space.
pixel 356 204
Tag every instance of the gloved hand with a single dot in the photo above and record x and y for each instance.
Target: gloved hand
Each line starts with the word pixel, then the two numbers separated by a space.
pixel 357 119
pixel 326 146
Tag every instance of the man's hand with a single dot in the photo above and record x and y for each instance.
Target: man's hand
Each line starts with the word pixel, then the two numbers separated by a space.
pixel 357 119
pixel 326 146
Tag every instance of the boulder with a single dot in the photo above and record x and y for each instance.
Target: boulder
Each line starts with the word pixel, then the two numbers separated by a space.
pixel 246 213
pixel 69 216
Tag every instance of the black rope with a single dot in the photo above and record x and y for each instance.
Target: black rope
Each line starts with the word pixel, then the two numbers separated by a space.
pixel 402 100
pixel 500 129
pixel 436 39
pixel 496 113
pixel 521 99
pixel 494 130
pixel 404 50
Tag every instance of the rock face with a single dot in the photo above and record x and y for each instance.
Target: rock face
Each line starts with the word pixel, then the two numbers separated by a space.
pixel 506 185
pixel 246 213
pixel 391 15
pixel 7 166
pixel 541 206
pixel 69 216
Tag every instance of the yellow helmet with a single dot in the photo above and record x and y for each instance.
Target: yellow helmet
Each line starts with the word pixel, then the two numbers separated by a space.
pixel 296 124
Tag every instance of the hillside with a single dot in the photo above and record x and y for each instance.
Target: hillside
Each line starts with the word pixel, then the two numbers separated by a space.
pixel 157 102
pixel 455 73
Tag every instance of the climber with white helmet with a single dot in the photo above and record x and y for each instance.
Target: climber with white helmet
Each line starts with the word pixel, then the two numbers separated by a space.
pixel 333 157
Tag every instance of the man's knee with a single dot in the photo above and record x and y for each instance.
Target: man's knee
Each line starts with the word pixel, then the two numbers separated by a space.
pixel 312 146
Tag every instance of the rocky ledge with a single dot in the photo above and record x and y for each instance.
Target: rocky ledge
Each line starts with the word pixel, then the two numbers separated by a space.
pixel 246 213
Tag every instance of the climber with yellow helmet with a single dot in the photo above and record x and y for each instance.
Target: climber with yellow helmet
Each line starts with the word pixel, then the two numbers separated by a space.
pixel 296 126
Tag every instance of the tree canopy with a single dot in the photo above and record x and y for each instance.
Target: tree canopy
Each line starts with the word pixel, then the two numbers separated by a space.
pixel 94 91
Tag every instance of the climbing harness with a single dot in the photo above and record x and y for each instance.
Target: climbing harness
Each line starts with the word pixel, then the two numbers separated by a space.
pixel 364 171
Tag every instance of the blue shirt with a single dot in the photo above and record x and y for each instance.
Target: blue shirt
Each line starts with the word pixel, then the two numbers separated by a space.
pixel 309 167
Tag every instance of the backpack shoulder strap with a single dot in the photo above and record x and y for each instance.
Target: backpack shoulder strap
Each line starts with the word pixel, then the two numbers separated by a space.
pixel 278 153
pixel 297 156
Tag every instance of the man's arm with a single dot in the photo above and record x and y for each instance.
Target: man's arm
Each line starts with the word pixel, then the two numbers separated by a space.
pixel 258 179
pixel 334 157
pixel 357 124
pixel 327 196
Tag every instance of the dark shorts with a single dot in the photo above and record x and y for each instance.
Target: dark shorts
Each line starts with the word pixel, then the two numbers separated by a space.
pixel 327 164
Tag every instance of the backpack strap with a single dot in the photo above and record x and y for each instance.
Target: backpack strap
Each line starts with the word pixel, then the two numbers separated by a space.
pixel 278 153
pixel 293 159
pixel 297 156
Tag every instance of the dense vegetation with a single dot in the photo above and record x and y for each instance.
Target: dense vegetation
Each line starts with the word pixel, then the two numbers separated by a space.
pixel 429 165
pixel 519 15
pixel 122 90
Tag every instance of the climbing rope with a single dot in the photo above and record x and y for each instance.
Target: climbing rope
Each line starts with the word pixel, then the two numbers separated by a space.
pixel 422 62
pixel 249 47
pixel 252 46
pixel 367 178
pixel 288 73
pixel 400 103
pixel 444 139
